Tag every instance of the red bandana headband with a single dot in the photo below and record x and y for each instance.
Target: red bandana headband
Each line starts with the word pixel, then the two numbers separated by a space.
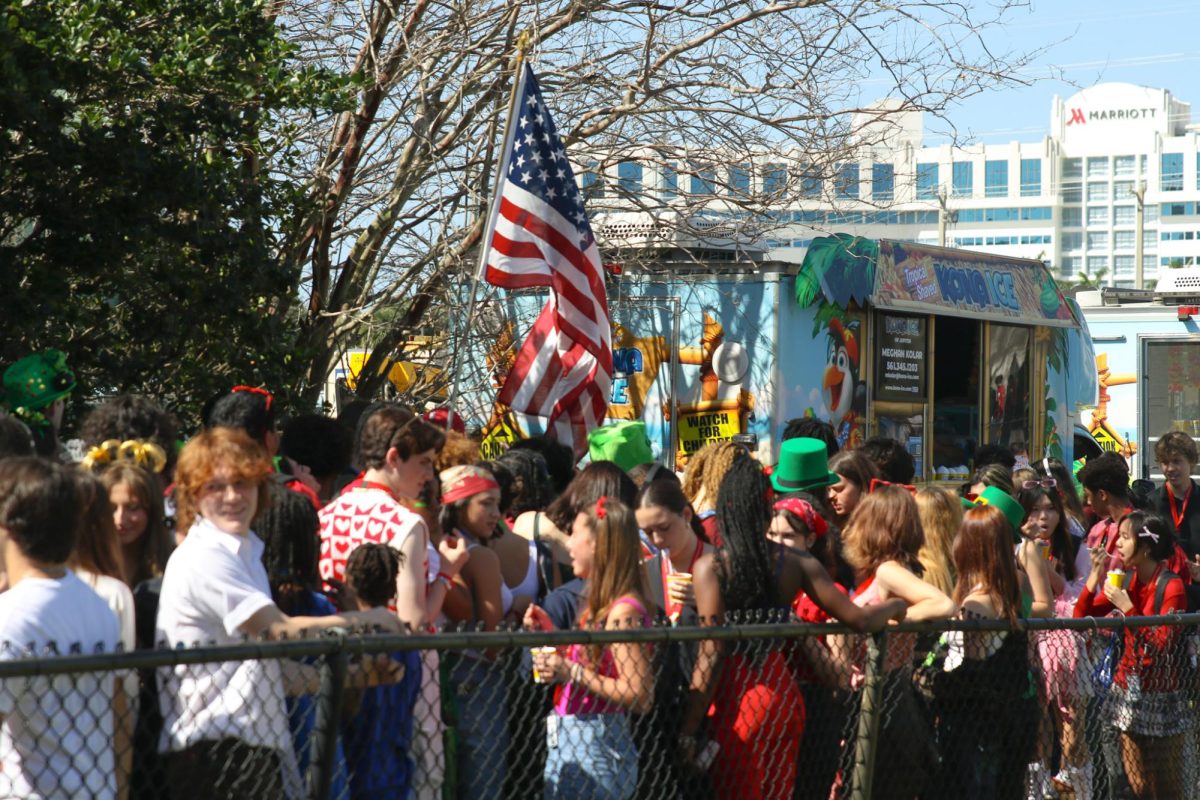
pixel 459 483
pixel 815 523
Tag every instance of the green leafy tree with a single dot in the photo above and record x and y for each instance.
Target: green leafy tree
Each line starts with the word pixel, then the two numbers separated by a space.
pixel 137 223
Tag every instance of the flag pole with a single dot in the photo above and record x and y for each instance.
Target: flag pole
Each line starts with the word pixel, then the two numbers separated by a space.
pixel 524 40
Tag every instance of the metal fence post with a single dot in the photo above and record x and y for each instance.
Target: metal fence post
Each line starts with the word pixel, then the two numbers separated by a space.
pixel 870 710
pixel 329 717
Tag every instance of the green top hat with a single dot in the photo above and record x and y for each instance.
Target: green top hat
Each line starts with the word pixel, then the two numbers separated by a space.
pixel 38 380
pixel 803 466
pixel 1012 510
pixel 623 443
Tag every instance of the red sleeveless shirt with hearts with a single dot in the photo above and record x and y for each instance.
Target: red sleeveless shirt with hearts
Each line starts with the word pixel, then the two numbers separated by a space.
pixel 361 514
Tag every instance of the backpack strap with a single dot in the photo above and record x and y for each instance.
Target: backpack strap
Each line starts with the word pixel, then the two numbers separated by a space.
pixel 1160 589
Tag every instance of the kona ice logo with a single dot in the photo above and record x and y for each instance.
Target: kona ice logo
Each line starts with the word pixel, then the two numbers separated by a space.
pixel 981 288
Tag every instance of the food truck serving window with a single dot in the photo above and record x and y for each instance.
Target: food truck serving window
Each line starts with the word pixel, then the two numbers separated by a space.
pixel 1008 387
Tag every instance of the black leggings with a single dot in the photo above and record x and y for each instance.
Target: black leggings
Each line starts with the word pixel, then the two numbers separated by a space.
pixel 225 769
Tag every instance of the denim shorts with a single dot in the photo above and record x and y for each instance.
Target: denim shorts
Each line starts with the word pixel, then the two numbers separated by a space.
pixel 590 757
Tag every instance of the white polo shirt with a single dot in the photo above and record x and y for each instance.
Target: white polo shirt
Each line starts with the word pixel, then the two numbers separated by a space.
pixel 214 582
pixel 56 740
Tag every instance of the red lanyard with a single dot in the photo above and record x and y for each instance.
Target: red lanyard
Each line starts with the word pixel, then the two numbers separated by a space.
pixel 1177 516
pixel 383 487
pixel 673 608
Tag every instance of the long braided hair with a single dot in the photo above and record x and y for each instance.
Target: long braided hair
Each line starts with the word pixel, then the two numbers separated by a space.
pixel 743 516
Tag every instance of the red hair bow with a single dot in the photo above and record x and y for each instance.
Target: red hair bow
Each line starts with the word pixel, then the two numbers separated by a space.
pixel 600 511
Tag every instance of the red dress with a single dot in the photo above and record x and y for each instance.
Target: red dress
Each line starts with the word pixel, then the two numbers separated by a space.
pixel 757 718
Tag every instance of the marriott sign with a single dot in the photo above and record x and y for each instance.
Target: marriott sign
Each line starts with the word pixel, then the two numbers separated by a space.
pixel 1078 115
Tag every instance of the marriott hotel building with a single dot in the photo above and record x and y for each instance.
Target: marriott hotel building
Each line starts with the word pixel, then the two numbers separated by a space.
pixel 1114 152
pixel 1071 199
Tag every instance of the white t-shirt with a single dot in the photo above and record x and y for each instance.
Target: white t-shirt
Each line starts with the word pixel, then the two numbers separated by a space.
pixel 116 594
pixel 214 582
pixel 56 740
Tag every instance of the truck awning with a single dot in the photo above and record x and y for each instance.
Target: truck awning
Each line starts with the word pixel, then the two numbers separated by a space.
pixel 922 279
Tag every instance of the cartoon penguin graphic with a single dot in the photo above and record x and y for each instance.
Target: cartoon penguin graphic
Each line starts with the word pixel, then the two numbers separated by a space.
pixel 840 387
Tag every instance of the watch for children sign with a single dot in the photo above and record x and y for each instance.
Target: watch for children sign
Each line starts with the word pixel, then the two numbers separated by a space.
pixel 900 365
pixel 697 430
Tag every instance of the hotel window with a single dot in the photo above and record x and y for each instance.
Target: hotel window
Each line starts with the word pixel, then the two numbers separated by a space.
pixel 1031 177
pixel 1097 192
pixel 1123 190
pixel 1123 265
pixel 1097 263
pixel 1071 265
pixel 1125 166
pixel 995 179
pixel 1198 170
pixel 1097 215
pixel 1072 217
pixel 1149 240
pixel 963 179
pixel 1124 215
pixel 927 181
pixel 883 181
pixel 1171 176
pixel 774 178
pixel 668 181
pixel 1123 240
pixel 629 177
pixel 847 181
pixel 739 180
pixel 1097 240
pixel 1097 167
pixel 592 181
pixel 703 180
pixel 1072 193
pixel 810 181
pixel 1151 214
pixel 1072 168
pixel 1072 240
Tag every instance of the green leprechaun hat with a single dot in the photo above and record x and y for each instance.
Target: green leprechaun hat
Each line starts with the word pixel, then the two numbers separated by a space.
pixel 803 466
pixel 624 443
pixel 1012 510
pixel 36 381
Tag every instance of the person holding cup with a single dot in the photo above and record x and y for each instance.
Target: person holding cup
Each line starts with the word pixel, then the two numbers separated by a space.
pixel 591 751
pixel 665 515
pixel 1060 652
pixel 1148 707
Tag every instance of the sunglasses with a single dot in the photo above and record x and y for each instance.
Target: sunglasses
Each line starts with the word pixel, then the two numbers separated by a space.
pixel 255 390
pixel 1045 483
pixel 876 483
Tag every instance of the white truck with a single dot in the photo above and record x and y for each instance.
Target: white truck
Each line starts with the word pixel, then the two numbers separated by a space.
pixel 1147 345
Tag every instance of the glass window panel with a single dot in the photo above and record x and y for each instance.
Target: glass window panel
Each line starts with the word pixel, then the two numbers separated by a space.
pixel 1008 386
pixel 629 177
pixel 963 178
pixel 1031 177
pixel 883 181
pixel 1171 176
pixel 927 181
pixel 1097 215
pixel 1097 167
pixel 995 178
pixel 847 181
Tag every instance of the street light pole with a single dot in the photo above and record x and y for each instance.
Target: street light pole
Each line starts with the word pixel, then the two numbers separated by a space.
pixel 1139 278
pixel 944 215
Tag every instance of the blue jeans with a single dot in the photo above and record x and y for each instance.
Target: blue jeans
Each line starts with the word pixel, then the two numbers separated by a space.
pixel 590 757
pixel 481 727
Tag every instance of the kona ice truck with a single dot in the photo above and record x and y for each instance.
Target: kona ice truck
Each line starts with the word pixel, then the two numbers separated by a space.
pixel 1147 346
pixel 941 349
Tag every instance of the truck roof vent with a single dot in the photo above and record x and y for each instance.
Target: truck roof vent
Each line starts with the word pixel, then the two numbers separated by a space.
pixel 1179 284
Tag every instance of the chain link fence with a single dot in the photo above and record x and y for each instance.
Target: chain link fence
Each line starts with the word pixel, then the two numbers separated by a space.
pixel 763 709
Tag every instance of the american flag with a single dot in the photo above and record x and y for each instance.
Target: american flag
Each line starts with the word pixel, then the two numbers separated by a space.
pixel 539 236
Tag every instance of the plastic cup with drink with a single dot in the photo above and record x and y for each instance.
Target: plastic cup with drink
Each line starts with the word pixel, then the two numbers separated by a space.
pixel 538 677
pixel 1116 578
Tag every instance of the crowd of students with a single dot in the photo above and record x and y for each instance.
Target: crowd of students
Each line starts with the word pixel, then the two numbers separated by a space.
pixel 387 521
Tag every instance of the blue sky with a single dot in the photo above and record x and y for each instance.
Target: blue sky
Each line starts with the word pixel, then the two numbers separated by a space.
pixel 1089 41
